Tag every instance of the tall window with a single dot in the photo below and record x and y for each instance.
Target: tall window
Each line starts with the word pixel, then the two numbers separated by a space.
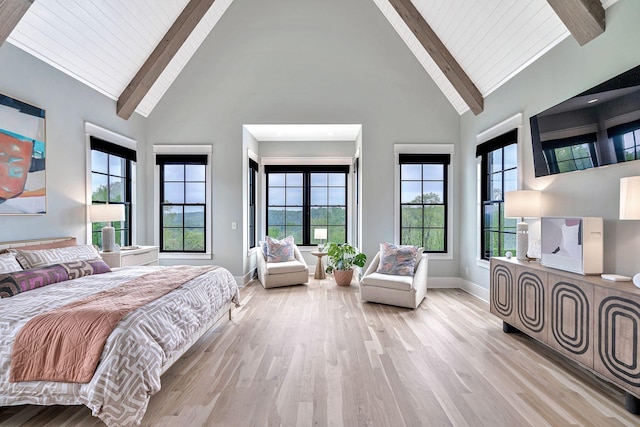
pixel 182 202
pixel 111 166
pixel 253 176
pixel 303 198
pixel 423 200
pixel 499 157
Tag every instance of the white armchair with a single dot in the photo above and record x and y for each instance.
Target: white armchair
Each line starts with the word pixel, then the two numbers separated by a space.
pixel 275 274
pixel 402 291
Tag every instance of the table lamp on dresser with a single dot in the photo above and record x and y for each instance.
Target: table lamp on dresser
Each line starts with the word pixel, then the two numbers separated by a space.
pixel 107 213
pixel 522 204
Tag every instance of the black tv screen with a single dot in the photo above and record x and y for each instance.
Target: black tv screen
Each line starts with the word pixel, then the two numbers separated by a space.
pixel 598 127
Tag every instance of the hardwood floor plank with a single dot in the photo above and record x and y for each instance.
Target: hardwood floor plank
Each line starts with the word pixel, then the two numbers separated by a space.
pixel 316 355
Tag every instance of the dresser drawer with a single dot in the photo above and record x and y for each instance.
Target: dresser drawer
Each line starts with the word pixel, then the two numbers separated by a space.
pixel 146 256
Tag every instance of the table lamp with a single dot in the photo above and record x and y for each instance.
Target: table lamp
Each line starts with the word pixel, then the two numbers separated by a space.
pixel 522 204
pixel 107 213
pixel 320 234
pixel 630 205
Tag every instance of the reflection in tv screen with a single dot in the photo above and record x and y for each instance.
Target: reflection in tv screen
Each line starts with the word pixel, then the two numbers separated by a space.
pixel 598 127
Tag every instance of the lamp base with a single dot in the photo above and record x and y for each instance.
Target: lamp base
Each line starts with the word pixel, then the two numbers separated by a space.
pixel 522 240
pixel 108 239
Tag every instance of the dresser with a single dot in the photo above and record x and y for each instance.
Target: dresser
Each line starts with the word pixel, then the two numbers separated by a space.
pixel 591 321
pixel 142 255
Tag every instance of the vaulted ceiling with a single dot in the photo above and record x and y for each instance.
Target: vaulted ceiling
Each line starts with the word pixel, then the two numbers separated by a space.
pixel 131 51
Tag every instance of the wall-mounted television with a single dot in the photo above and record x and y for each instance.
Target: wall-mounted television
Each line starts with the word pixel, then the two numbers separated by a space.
pixel 572 244
pixel 595 128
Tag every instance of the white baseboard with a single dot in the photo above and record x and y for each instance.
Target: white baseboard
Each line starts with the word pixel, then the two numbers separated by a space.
pixel 459 283
pixel 242 281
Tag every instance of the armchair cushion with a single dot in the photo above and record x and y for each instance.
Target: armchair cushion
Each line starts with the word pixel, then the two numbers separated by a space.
pixel 280 250
pixel 397 260
pixel 403 283
pixel 285 267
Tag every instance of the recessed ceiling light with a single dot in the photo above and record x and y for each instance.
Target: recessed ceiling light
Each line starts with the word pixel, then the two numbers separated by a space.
pixel 591 101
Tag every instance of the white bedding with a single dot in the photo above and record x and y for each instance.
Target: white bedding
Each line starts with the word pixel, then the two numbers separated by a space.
pixel 135 353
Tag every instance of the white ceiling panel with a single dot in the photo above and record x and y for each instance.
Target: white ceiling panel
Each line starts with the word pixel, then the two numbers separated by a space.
pixel 103 43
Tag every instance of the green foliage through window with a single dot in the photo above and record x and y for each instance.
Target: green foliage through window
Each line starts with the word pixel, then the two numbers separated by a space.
pixel 423 201
pixel 303 198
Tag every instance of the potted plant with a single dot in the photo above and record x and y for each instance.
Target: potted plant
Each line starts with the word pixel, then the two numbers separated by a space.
pixel 341 258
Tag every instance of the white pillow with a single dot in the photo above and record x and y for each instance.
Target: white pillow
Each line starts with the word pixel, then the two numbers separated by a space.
pixel 9 263
pixel 30 259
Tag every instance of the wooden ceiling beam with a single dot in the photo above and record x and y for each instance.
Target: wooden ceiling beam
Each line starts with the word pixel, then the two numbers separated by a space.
pixel 584 18
pixel 142 82
pixel 11 12
pixel 440 54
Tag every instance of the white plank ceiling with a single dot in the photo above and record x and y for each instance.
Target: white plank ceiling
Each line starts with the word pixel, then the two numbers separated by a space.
pixel 103 43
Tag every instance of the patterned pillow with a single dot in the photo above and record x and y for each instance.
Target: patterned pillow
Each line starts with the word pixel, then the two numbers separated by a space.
pixel 398 260
pixel 30 259
pixel 280 250
pixel 21 281
pixel 9 263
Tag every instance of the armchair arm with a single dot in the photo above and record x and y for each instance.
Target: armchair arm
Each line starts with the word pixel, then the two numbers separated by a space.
pixel 298 256
pixel 373 266
pixel 420 276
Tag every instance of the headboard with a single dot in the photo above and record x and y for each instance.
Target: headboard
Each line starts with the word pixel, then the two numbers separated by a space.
pixel 47 243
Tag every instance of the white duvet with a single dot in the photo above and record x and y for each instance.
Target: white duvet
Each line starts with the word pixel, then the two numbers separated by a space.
pixel 135 353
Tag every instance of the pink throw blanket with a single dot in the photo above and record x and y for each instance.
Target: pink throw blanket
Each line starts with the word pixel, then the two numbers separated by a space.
pixel 65 344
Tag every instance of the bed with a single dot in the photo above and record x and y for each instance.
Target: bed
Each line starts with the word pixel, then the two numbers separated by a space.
pixel 143 345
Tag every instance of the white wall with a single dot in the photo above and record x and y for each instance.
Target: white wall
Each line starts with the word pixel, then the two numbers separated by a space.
pixel 68 104
pixel 565 71
pixel 303 62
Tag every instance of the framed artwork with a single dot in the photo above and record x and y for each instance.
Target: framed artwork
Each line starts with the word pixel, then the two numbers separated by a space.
pixel 22 158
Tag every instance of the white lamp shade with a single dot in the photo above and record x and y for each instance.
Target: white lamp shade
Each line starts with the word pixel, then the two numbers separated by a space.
pixel 320 233
pixel 522 204
pixel 107 213
pixel 630 197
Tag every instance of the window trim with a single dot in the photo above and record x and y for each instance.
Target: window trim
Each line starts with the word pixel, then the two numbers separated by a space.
pixel 163 149
pixel 99 132
pixel 505 126
pixel 449 203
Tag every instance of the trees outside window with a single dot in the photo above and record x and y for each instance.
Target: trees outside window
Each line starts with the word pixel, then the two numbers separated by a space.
pixel 182 203
pixel 499 174
pixel 111 167
pixel 423 201
pixel 303 198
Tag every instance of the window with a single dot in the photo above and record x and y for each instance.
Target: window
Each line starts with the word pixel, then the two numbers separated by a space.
pixel 571 154
pixel 303 198
pixel 626 141
pixel 111 177
pixel 499 174
pixel 423 201
pixel 183 202
pixel 253 176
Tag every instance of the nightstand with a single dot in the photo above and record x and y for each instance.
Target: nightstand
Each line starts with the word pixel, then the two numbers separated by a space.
pixel 142 255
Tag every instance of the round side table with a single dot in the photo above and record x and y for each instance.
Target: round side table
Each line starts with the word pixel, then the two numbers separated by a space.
pixel 319 267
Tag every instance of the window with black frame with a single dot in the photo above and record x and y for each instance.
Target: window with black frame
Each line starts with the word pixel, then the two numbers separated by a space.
pixel 571 154
pixel 423 201
pixel 253 177
pixel 626 141
pixel 499 174
pixel 111 169
pixel 182 203
pixel 303 198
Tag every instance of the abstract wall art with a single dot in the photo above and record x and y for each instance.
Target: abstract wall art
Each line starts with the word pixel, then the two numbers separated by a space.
pixel 22 158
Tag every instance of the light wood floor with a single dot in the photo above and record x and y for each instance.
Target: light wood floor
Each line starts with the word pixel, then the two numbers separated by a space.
pixel 315 355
